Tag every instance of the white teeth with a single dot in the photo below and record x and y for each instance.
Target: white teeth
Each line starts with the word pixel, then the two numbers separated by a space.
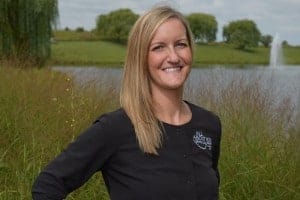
pixel 172 69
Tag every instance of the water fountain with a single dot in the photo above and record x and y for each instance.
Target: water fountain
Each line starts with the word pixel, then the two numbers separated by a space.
pixel 276 52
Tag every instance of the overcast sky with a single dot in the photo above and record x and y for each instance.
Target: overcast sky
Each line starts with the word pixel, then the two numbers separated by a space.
pixel 271 16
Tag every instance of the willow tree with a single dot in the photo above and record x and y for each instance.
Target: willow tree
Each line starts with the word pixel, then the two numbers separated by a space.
pixel 26 28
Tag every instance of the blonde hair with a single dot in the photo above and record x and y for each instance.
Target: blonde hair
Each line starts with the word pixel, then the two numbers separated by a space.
pixel 135 96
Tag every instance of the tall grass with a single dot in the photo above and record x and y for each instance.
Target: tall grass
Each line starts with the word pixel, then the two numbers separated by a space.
pixel 261 137
pixel 42 110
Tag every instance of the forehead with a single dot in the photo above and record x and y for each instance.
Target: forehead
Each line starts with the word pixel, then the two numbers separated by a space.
pixel 171 28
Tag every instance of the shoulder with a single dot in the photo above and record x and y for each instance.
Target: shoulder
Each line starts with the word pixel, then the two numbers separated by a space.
pixel 115 121
pixel 202 112
pixel 205 118
pixel 116 116
pixel 109 129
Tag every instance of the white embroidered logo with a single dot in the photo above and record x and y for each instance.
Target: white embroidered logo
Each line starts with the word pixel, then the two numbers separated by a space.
pixel 201 141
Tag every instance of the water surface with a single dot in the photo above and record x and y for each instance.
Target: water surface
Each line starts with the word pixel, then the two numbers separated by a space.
pixel 284 81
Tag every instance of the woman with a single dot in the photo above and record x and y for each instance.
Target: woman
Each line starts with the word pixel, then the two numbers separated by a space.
pixel 156 146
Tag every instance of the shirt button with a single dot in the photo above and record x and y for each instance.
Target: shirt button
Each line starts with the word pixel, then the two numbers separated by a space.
pixel 185 156
pixel 189 182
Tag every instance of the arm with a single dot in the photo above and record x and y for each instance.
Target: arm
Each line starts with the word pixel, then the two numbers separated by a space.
pixel 216 151
pixel 75 165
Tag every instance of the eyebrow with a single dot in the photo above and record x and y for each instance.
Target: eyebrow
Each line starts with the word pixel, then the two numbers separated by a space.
pixel 160 42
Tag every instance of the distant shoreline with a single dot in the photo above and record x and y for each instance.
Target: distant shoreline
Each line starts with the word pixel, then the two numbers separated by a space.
pixel 85 49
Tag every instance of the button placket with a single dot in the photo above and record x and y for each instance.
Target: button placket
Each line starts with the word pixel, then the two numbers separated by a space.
pixel 179 131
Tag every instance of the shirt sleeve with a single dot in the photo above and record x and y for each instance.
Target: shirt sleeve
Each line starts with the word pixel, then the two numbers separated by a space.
pixel 216 151
pixel 76 164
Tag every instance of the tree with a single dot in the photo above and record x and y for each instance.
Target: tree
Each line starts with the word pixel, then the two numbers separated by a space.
pixel 226 35
pixel 79 29
pixel 266 40
pixel 242 34
pixel 116 25
pixel 26 28
pixel 203 26
pixel 285 43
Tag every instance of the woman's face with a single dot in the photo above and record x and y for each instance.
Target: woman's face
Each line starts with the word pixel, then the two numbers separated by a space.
pixel 169 56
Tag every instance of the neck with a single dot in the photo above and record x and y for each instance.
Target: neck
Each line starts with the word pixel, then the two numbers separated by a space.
pixel 170 108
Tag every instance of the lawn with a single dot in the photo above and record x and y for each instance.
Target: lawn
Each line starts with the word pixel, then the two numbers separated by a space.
pixel 103 53
pixel 86 48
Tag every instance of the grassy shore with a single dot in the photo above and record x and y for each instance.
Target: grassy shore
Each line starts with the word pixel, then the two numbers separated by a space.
pixel 41 111
pixel 87 53
pixel 104 53
pixel 84 48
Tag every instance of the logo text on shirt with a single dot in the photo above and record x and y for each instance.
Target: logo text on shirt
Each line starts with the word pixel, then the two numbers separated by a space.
pixel 201 141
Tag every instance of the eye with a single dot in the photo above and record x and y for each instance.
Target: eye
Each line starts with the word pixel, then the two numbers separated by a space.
pixel 182 44
pixel 157 48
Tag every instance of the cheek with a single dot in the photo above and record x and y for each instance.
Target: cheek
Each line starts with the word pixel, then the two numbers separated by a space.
pixel 151 64
pixel 154 60
pixel 188 57
pixel 150 61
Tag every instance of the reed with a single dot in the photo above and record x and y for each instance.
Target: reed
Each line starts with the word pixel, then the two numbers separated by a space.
pixel 260 141
pixel 41 112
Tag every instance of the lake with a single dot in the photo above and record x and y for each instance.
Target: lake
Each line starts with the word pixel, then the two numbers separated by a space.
pixel 284 81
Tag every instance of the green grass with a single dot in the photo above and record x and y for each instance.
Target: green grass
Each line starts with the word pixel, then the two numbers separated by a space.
pixel 41 111
pixel 224 54
pixel 61 35
pixel 103 53
pixel 87 53
pixel 291 55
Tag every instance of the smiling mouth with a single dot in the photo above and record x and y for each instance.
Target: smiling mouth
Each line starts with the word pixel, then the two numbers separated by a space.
pixel 172 68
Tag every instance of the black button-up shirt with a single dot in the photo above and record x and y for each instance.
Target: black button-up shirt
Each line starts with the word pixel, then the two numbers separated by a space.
pixel 186 168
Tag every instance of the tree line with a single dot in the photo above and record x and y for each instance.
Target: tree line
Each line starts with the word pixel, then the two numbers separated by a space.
pixel 242 34
pixel 26 28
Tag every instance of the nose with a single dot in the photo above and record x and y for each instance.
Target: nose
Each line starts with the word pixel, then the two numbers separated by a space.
pixel 173 56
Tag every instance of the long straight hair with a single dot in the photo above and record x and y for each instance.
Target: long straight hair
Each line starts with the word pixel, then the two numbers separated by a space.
pixel 135 96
